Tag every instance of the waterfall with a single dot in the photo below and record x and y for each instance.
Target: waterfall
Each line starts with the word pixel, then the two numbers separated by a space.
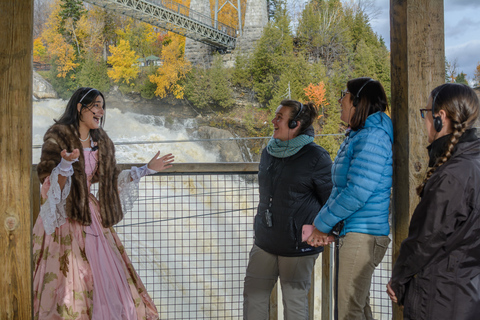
pixel 127 127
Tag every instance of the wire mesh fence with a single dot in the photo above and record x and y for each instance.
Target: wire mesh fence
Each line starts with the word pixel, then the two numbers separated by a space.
pixel 188 238
pixel 189 235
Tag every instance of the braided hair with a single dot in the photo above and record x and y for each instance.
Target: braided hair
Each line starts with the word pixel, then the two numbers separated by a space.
pixel 461 106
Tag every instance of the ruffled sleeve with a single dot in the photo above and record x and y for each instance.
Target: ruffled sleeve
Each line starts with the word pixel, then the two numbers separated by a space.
pixel 128 185
pixel 53 212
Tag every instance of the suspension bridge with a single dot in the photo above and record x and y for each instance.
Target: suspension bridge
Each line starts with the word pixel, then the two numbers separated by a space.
pixel 177 18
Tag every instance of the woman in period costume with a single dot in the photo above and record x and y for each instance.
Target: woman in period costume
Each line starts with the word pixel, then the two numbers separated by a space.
pixel 81 268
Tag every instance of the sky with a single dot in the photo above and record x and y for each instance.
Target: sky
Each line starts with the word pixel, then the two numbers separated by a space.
pixel 462 32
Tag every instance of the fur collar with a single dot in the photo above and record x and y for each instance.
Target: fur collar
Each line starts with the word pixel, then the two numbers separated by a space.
pixel 60 137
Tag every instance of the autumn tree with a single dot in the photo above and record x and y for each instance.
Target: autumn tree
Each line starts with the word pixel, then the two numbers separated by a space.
pixel 316 94
pixel 58 49
pixel 141 36
pixel 124 63
pixel 90 32
pixel 170 75
pixel 476 78
pixel 70 13
pixel 228 13
pixel 461 78
pixel 39 51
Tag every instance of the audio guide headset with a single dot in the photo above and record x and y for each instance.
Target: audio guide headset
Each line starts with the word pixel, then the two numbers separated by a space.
pixel 293 123
pixel 437 121
pixel 356 99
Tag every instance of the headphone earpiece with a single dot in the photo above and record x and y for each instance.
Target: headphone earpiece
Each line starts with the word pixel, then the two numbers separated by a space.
pixel 356 99
pixel 293 123
pixel 437 121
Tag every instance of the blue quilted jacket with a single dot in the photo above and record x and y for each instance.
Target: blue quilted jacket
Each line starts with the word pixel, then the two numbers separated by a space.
pixel 362 180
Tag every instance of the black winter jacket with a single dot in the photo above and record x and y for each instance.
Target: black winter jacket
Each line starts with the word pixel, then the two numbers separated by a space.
pixel 437 273
pixel 297 187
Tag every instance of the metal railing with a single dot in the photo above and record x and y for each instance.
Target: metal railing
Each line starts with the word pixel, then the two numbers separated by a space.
pixel 189 235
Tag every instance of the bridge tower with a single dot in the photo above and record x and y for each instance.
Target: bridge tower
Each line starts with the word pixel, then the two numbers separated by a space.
pixel 196 52
pixel 256 17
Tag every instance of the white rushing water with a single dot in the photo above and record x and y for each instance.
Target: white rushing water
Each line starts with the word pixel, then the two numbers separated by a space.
pixel 177 233
pixel 127 127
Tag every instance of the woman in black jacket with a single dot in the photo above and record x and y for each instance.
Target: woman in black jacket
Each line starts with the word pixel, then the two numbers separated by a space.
pixel 295 181
pixel 437 273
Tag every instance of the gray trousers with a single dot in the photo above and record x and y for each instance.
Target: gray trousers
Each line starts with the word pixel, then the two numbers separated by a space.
pixel 360 254
pixel 262 273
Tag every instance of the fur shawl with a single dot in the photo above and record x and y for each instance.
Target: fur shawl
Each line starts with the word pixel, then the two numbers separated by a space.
pixel 59 137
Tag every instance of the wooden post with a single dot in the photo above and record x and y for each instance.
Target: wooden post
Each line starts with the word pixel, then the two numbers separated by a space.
pixel 418 65
pixel 16 25
pixel 327 277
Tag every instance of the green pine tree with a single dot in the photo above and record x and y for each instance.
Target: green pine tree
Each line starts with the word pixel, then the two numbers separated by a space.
pixel 93 74
pixel 461 78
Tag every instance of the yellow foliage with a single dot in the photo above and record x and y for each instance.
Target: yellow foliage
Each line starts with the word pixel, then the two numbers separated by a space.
pixel 228 15
pixel 175 68
pixel 57 47
pixel 124 63
pixel 90 29
pixel 39 50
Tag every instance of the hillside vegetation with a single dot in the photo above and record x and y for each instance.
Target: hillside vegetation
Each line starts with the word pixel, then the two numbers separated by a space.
pixel 331 43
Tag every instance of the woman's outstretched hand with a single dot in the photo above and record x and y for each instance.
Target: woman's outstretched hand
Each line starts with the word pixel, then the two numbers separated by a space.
pixel 70 156
pixel 162 163
pixel 318 238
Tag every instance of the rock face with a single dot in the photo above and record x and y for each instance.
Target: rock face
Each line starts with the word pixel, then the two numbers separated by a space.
pixel 228 150
pixel 42 89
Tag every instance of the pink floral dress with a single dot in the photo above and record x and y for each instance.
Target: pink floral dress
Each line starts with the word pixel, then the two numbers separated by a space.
pixel 83 272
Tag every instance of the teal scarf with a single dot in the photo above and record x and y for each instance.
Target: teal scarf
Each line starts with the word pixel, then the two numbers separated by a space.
pixel 284 149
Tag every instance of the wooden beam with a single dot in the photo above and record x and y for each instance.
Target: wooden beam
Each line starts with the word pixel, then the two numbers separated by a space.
pixel 417 66
pixel 16 22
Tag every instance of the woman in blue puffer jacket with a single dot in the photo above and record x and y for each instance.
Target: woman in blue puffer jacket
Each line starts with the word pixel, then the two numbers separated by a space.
pixel 362 181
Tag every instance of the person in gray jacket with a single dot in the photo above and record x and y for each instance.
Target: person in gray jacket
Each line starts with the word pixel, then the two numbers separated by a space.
pixel 294 182
pixel 437 273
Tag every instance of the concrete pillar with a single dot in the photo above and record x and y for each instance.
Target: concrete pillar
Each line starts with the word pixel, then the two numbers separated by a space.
pixel 256 18
pixel 197 53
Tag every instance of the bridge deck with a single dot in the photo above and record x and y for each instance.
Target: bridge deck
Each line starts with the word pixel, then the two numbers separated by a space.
pixel 175 17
